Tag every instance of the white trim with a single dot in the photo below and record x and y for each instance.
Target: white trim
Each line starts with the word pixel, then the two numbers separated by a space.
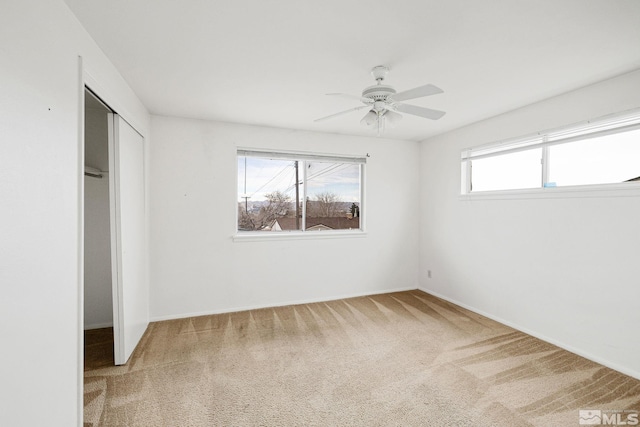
pixel 612 124
pixel 544 141
pixel 260 236
pixel 112 102
pixel 514 145
pixel 586 355
pixel 80 244
pixel 627 189
pixel 116 238
pixel 303 233
pixel 303 220
pixel 301 155
pixel 606 125
pixel 284 304
pixel 465 178
pixel 544 164
pixel 234 228
pixel 363 208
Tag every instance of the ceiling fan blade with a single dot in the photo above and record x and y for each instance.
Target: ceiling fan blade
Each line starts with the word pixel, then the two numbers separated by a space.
pixel 342 112
pixel 359 98
pixel 416 92
pixel 427 113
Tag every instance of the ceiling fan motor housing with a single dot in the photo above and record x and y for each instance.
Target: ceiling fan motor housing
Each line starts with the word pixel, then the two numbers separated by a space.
pixel 378 92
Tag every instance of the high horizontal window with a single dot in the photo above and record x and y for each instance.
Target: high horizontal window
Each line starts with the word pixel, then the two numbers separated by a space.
pixel 602 151
pixel 284 192
pixel 602 160
pixel 507 172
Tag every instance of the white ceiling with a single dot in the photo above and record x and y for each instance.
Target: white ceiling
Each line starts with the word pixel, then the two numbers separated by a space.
pixel 271 62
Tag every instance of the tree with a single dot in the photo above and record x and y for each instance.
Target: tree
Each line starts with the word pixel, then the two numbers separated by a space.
pixel 325 205
pixel 278 204
pixel 245 220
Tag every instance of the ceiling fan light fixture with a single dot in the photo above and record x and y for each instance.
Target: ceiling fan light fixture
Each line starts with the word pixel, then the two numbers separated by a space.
pixel 392 118
pixel 369 119
pixel 383 101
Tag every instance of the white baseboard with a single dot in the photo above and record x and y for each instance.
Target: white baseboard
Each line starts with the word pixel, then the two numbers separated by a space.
pixel 98 326
pixel 586 355
pixel 297 302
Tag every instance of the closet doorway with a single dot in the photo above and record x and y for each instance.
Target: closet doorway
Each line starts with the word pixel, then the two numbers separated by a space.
pixel 98 278
pixel 116 294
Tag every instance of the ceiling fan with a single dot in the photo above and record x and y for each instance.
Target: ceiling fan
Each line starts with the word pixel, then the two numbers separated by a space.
pixel 383 101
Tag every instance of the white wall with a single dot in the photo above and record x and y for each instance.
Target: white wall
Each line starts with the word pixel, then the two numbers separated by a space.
pixel 96 138
pixel 197 268
pixel 564 269
pixel 40 191
pixel 98 299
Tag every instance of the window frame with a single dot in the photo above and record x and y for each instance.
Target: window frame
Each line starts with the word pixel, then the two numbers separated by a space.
pixel 303 157
pixel 602 126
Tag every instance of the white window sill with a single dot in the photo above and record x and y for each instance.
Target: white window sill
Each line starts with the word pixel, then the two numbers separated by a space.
pixel 630 189
pixel 260 236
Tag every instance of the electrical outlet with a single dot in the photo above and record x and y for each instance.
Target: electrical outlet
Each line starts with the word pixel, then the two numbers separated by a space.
pixel 429 274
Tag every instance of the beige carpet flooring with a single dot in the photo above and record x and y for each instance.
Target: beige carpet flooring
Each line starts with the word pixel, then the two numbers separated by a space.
pixel 399 359
pixel 98 348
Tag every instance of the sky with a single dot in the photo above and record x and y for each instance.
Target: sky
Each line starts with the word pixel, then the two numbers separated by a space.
pixel 267 175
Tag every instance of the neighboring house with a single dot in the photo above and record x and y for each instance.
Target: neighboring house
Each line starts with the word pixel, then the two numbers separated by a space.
pixel 318 224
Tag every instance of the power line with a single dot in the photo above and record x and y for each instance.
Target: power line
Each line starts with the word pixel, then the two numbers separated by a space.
pixel 323 171
pixel 277 183
pixel 332 169
pixel 273 178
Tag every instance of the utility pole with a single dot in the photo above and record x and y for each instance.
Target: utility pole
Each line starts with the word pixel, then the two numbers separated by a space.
pixel 297 198
pixel 245 197
pixel 246 204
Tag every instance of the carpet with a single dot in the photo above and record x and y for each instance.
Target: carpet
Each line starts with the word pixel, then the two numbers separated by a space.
pixel 398 359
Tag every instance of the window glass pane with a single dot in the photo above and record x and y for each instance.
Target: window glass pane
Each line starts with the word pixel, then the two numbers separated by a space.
pixel 508 171
pixel 266 193
pixel 333 196
pixel 603 160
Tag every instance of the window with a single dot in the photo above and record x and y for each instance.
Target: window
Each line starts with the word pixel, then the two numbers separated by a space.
pixel 602 151
pixel 603 160
pixel 508 172
pixel 284 192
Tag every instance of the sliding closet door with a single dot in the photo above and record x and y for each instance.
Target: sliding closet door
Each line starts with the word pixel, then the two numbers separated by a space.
pixel 130 288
